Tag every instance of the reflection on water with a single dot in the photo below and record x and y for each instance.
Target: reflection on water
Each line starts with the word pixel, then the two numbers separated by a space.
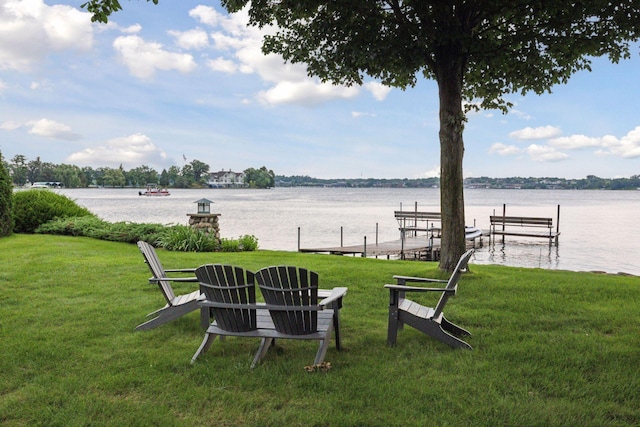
pixel 513 252
pixel 599 229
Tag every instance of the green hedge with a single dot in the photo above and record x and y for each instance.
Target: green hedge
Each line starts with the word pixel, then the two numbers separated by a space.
pixel 33 208
pixel 6 201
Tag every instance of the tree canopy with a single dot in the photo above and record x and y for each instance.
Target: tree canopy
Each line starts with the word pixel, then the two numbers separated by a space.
pixel 477 51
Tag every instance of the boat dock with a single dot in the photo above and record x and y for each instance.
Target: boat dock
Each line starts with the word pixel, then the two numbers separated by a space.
pixel 418 247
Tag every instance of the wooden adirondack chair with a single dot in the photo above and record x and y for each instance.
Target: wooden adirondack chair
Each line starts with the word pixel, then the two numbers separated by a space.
pixel 177 305
pixel 229 295
pixel 291 295
pixel 429 320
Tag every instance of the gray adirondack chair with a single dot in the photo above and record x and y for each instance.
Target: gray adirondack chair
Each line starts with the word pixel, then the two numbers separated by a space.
pixel 176 305
pixel 430 321
pixel 230 294
pixel 291 295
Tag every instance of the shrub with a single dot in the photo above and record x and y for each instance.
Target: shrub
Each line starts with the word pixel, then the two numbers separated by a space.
pixel 187 239
pixel 91 226
pixel 6 201
pixel 248 243
pixel 33 208
pixel 244 243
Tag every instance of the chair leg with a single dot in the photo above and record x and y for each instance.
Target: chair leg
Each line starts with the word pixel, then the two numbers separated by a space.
pixel 336 327
pixel 392 328
pixel 322 349
pixel 205 317
pixel 206 343
pixel 453 328
pixel 262 350
pixel 436 331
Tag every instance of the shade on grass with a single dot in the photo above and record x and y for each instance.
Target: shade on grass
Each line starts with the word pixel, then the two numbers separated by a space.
pixel 550 347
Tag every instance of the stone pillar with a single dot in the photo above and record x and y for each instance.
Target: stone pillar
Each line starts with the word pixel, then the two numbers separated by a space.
pixel 207 223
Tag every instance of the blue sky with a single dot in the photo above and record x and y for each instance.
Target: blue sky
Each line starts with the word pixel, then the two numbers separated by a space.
pixel 183 79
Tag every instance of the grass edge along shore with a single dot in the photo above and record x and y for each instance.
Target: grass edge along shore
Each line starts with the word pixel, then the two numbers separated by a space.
pixel 551 348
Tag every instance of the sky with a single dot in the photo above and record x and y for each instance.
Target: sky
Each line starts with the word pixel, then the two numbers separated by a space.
pixel 165 84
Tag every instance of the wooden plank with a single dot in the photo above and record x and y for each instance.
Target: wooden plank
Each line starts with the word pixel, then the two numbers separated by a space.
pixel 419 215
pixel 521 221
pixel 525 233
pixel 395 247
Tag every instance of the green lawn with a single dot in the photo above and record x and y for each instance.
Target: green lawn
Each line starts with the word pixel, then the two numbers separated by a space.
pixel 550 347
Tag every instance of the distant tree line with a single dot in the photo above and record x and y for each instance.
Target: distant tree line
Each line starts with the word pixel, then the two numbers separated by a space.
pixel 195 174
pixel 192 175
pixel 591 182
pixel 306 181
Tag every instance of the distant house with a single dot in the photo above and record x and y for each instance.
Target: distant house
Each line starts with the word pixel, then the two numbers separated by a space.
pixel 225 179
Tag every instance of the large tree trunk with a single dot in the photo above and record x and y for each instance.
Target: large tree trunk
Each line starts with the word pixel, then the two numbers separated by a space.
pixel 449 77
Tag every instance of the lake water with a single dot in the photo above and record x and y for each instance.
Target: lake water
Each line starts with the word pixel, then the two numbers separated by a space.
pixel 599 229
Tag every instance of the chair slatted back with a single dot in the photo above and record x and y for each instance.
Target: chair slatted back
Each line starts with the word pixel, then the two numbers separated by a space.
pixel 229 285
pixel 152 260
pixel 453 282
pixel 291 287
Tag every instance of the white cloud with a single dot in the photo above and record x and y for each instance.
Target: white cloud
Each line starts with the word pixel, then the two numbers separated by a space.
pixel 30 30
pixel 305 93
pixel 544 153
pixel 144 58
pixel 520 114
pixel 130 151
pixel 626 147
pixel 52 129
pixel 132 29
pixel 529 133
pixel 575 142
pixel 3 86
pixel 192 39
pixel 378 90
pixel 504 150
pixel 10 125
pixel 222 65
pixel 358 114
pixel 289 83
pixel 433 173
pixel 205 14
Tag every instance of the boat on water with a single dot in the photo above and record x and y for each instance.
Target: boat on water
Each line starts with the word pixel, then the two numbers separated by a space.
pixel 47 184
pixel 472 232
pixel 154 190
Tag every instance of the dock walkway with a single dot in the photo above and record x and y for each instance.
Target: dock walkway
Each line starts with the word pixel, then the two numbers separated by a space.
pixel 417 246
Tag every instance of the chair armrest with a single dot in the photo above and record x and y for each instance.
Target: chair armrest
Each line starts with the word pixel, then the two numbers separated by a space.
pixel 180 270
pixel 173 279
pixel 207 303
pixel 404 279
pixel 336 294
pixel 418 289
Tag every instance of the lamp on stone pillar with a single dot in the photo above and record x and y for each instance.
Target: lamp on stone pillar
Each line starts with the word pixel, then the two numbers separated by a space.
pixel 204 220
pixel 204 206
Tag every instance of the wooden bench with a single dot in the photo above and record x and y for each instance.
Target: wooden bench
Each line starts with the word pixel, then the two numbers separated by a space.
pixel 523 226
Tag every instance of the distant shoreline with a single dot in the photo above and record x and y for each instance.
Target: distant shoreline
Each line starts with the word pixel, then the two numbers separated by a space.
pixel 516 183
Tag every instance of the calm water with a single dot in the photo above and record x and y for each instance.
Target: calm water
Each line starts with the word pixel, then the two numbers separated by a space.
pixel 600 229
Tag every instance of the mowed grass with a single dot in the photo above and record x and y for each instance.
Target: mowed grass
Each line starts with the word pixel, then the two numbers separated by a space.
pixel 550 347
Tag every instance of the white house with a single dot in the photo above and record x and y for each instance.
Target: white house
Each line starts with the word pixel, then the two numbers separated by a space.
pixel 225 179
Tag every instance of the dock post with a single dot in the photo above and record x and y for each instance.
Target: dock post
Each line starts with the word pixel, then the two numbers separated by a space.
pixel 341 245
pixel 376 234
pixel 364 254
pixel 504 214
pixel 558 226
pixel 298 239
